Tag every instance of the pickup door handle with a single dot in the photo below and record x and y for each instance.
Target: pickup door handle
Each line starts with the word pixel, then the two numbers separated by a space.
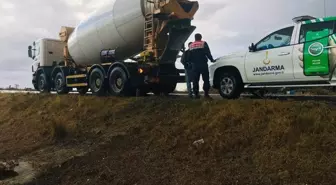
pixel 284 53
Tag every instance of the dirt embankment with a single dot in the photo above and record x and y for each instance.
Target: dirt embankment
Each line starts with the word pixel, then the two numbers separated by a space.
pixel 90 140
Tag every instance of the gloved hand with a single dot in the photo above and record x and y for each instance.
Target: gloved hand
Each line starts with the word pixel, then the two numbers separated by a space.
pixel 332 53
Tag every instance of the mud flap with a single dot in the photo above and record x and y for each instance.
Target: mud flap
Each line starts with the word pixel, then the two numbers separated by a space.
pixel 176 40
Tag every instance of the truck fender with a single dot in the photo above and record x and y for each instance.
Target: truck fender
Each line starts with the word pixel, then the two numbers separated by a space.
pixel 41 70
pixel 222 69
pixel 97 66
pixel 63 69
pixel 122 65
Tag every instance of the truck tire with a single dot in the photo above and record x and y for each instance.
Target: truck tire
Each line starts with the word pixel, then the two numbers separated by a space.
pixel 42 83
pixel 118 82
pixel 170 88
pixel 97 82
pixel 230 85
pixel 82 90
pixel 60 84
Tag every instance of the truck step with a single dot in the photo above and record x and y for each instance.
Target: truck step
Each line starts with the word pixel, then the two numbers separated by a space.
pixel 78 85
pixel 76 76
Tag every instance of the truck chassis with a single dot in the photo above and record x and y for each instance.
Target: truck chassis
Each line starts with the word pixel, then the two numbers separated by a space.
pixel 116 78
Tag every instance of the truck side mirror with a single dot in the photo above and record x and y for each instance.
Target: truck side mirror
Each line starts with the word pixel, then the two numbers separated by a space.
pixel 30 54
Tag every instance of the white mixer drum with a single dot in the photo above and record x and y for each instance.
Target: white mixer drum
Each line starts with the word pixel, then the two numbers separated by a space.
pixel 117 25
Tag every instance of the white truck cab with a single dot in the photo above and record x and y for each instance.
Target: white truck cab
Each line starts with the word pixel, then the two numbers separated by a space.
pixel 275 61
pixel 45 53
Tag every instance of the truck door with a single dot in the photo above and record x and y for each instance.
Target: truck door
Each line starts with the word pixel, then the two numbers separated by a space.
pixel 54 52
pixel 272 59
pixel 297 62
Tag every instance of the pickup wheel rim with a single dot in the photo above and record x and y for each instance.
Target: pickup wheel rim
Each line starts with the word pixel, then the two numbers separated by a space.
pixel 227 85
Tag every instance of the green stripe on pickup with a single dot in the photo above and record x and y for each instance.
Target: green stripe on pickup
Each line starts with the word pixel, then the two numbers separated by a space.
pixel 306 22
pixel 329 19
pixel 320 20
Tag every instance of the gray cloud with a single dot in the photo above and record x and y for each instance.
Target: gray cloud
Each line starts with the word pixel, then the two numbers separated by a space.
pixel 227 25
pixel 24 22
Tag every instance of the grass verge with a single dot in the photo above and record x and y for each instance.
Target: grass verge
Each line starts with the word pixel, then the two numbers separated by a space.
pixel 150 140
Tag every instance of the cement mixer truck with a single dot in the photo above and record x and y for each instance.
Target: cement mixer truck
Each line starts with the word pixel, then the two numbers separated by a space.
pixel 123 48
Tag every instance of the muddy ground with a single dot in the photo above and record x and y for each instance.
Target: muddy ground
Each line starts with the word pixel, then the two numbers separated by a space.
pixel 89 140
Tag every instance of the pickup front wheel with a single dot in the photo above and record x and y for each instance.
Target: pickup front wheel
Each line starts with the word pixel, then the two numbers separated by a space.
pixel 230 85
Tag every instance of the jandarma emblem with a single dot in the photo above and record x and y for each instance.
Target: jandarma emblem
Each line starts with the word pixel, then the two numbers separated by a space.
pixel 315 49
pixel 266 61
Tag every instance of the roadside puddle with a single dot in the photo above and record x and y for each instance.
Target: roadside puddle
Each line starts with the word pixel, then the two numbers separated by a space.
pixel 22 173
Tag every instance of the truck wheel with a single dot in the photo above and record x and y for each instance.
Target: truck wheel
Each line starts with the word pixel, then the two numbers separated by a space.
pixel 230 85
pixel 82 90
pixel 60 84
pixel 97 82
pixel 169 88
pixel 42 83
pixel 118 82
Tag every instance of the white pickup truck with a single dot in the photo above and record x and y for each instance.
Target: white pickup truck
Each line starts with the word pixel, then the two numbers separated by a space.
pixel 276 61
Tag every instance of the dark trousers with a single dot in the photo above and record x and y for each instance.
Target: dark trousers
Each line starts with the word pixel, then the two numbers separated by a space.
pixel 189 77
pixel 197 72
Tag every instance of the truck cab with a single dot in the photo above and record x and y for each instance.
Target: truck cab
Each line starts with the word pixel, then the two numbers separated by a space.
pixel 276 60
pixel 45 54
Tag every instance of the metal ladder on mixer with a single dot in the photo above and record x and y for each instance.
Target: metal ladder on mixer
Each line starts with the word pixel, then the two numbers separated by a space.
pixel 149 25
pixel 151 6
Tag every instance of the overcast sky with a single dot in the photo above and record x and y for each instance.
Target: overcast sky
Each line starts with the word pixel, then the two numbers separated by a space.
pixel 227 25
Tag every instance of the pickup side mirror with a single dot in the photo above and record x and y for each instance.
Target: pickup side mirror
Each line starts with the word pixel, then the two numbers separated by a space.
pixel 252 48
pixel 30 54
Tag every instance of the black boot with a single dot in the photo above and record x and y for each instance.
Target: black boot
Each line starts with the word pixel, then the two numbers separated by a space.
pixel 206 95
pixel 197 96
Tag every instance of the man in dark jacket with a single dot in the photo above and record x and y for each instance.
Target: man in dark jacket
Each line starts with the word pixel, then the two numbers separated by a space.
pixel 199 55
pixel 185 60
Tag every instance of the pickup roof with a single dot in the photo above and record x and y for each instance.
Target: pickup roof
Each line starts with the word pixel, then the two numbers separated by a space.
pixel 276 61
